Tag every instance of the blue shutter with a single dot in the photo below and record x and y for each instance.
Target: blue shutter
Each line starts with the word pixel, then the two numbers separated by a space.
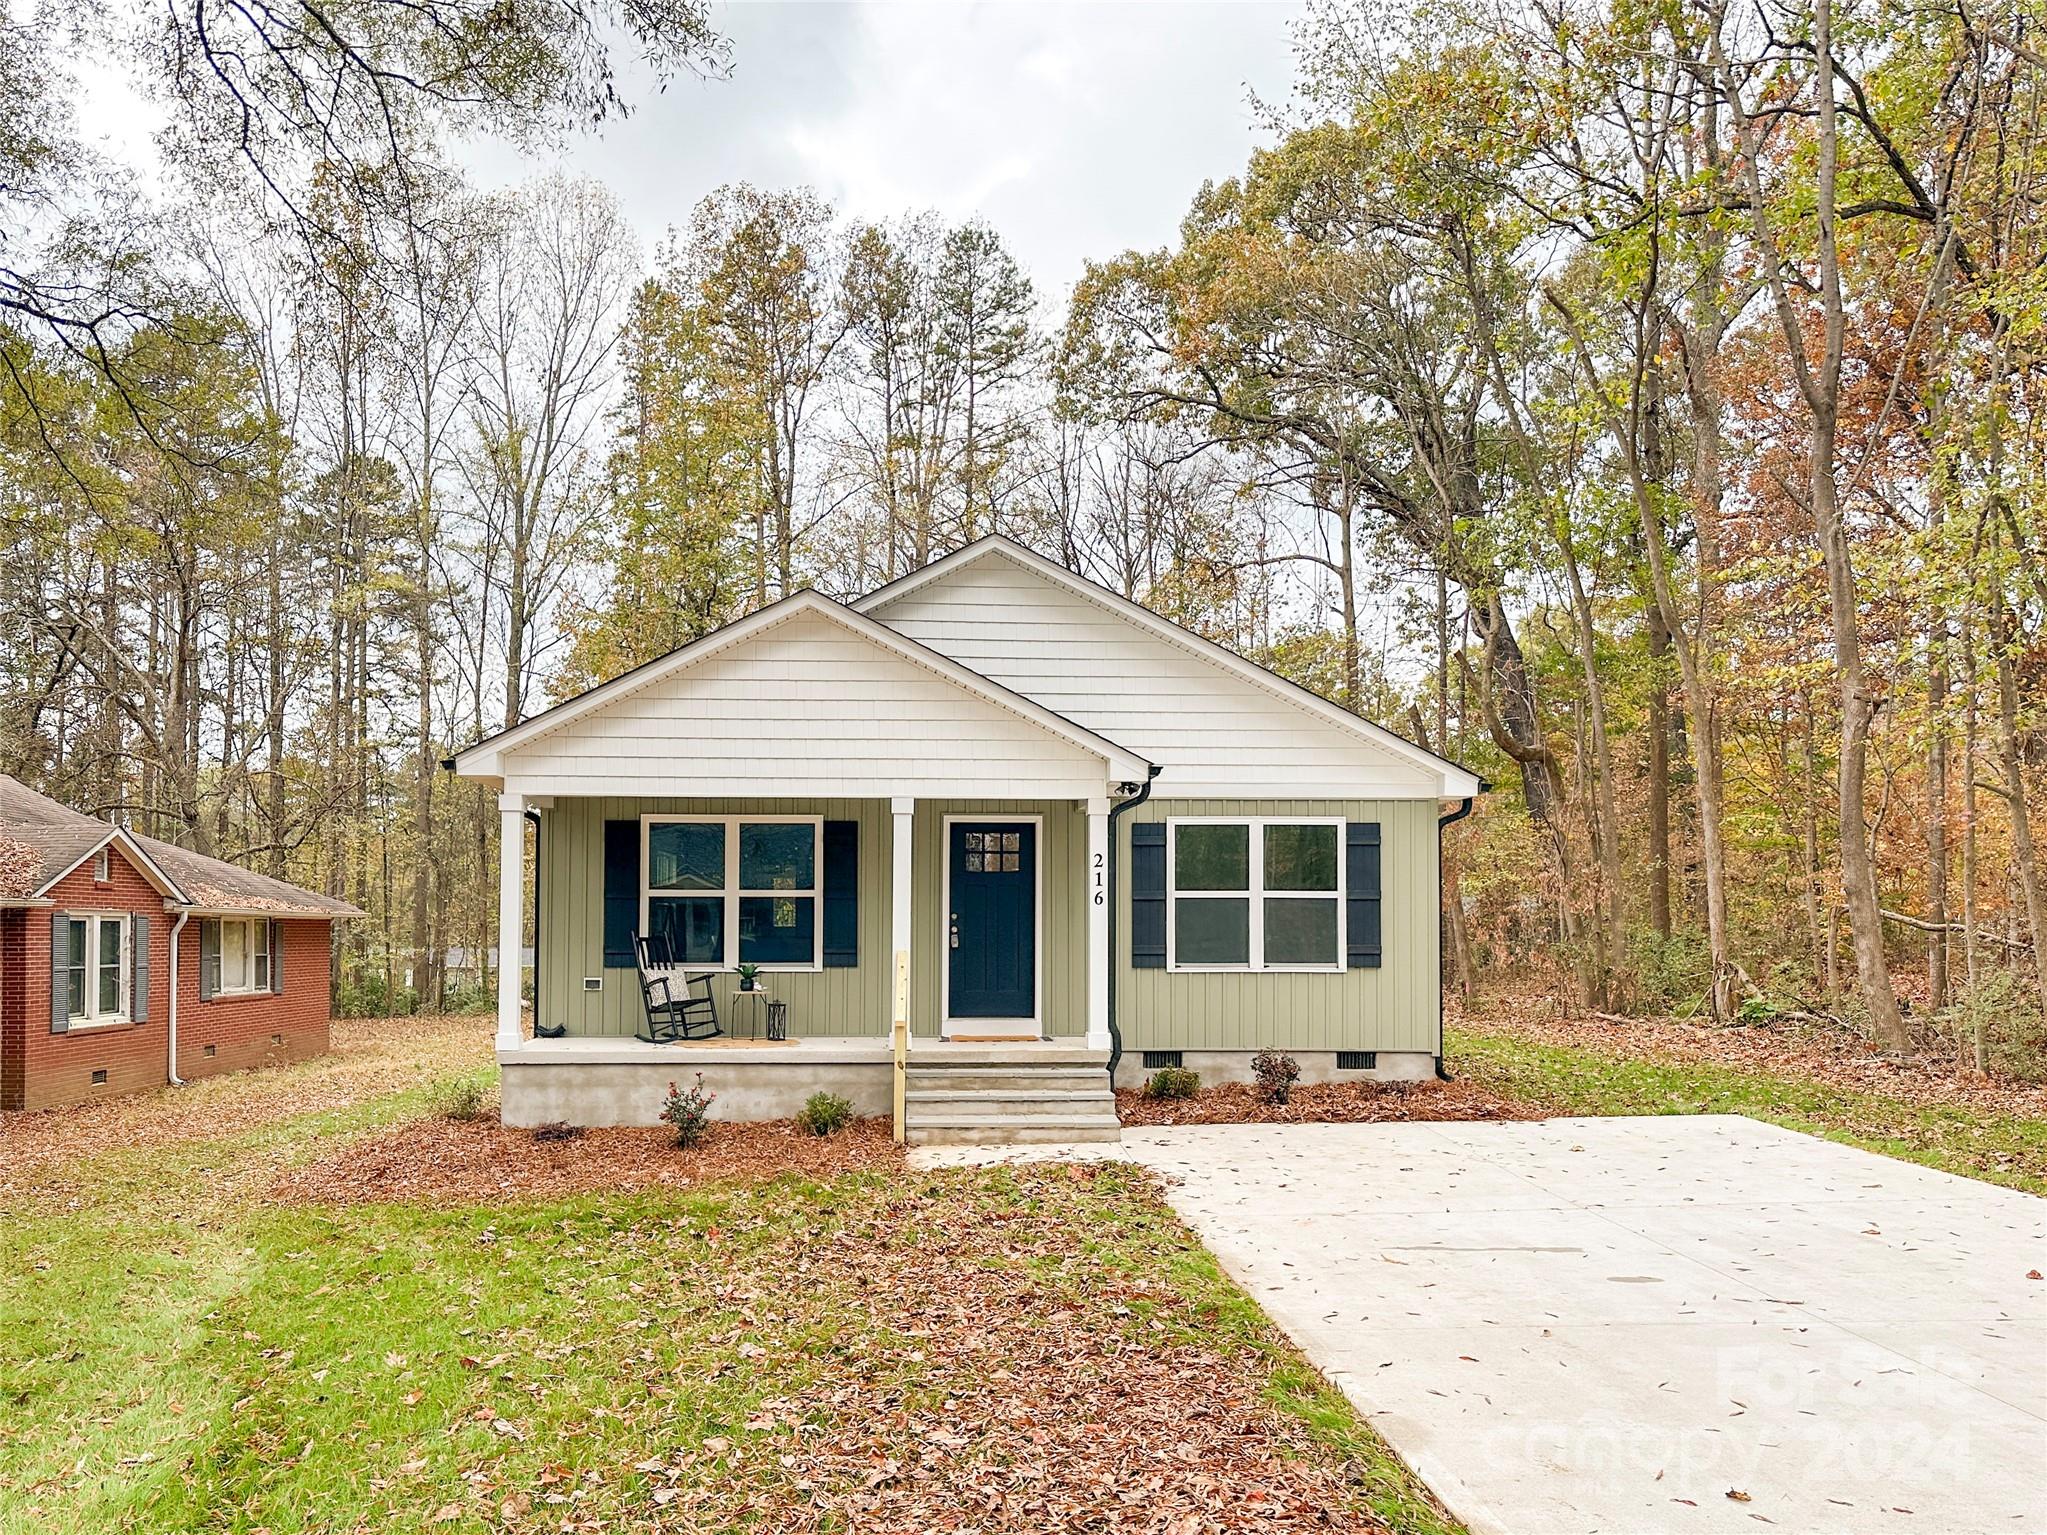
pixel 621 892
pixel 841 894
pixel 1148 895
pixel 1361 882
pixel 276 957
pixel 138 968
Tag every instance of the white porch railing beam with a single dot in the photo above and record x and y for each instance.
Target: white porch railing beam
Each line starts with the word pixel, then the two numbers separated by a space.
pixel 1098 924
pixel 511 915
pixel 903 812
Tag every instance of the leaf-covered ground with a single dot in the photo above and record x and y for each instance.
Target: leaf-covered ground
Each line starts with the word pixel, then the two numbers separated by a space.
pixel 1238 1103
pixel 186 1345
pixel 1824 1083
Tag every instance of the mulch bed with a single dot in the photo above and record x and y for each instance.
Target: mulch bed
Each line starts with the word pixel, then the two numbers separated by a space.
pixel 441 1161
pixel 1336 1103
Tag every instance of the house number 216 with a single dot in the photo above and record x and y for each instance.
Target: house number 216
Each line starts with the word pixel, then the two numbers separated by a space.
pixel 1101 896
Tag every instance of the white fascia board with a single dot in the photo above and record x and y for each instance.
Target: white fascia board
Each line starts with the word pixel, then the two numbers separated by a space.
pixel 1454 781
pixel 132 850
pixel 486 759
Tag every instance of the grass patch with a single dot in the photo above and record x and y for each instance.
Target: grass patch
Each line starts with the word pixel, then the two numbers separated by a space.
pixel 1975 1141
pixel 877 1350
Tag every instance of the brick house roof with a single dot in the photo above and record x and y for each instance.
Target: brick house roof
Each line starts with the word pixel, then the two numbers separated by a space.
pixel 41 840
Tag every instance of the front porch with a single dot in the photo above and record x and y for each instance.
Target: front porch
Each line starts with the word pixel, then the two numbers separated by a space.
pixel 1016 1091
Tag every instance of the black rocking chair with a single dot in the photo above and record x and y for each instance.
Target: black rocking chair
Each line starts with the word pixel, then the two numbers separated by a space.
pixel 671 1019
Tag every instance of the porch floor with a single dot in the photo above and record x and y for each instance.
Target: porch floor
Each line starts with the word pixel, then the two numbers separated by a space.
pixel 625 1050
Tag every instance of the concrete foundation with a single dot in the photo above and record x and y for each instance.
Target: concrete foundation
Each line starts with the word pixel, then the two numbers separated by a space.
pixel 623 1081
pixel 1219 1066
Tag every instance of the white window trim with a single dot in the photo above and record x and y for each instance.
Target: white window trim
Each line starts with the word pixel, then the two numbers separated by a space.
pixel 252 989
pixel 732 891
pixel 92 1018
pixel 103 866
pixel 1254 892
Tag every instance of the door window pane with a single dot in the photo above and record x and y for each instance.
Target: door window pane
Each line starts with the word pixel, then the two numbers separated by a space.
pixel 1212 858
pixel 1212 931
pixel 694 926
pixel 1300 858
pixel 686 855
pixel 777 929
pixel 1299 932
pixel 776 856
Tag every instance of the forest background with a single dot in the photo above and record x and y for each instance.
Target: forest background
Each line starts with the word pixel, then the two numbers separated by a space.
pixel 1639 404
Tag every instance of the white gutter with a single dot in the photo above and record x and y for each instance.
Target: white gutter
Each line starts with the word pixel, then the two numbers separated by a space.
pixel 171 1061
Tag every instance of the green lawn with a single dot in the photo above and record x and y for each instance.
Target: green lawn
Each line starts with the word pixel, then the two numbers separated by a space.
pixel 177 1355
pixel 1977 1142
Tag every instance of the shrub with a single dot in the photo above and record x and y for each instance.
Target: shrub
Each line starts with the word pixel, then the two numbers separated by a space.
pixel 557 1130
pixel 367 996
pixel 459 998
pixel 689 1112
pixel 824 1114
pixel 1277 1072
pixel 459 1098
pixel 2002 1020
pixel 1173 1082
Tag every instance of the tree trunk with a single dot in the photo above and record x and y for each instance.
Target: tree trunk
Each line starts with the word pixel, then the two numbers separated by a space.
pixel 1658 807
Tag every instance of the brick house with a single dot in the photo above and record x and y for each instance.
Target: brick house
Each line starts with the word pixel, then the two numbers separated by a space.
pixel 94 1000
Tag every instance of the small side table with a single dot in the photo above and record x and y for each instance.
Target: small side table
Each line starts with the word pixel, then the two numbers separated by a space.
pixel 777 1012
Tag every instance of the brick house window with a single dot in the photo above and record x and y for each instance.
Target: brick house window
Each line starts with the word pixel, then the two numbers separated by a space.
pixel 96 968
pixel 103 866
pixel 244 956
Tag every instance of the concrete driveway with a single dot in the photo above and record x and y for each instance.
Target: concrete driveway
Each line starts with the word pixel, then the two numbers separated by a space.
pixel 1646 1325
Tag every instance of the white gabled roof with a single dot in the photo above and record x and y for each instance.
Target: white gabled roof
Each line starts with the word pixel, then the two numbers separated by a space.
pixel 1455 781
pixel 485 759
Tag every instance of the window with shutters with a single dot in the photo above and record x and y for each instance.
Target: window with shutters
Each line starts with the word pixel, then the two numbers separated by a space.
pixel 244 956
pixel 723 891
pixel 1254 894
pixel 96 968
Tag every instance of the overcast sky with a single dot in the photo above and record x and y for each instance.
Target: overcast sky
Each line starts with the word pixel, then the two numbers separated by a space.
pixel 1077 130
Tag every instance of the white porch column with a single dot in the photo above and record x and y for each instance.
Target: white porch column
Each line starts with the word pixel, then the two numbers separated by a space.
pixel 1098 924
pixel 904 813
pixel 511 914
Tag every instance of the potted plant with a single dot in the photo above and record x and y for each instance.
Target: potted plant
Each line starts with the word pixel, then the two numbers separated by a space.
pixel 749 977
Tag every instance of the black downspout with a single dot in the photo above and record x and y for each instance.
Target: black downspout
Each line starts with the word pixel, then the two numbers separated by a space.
pixel 1115 813
pixel 1462 810
pixel 534 817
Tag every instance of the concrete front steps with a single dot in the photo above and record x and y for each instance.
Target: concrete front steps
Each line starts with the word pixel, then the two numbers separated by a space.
pixel 1031 1093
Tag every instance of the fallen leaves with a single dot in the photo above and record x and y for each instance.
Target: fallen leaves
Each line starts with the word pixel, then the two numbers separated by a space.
pixel 41 1151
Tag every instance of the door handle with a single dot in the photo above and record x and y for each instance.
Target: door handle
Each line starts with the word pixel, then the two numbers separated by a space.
pixel 954 930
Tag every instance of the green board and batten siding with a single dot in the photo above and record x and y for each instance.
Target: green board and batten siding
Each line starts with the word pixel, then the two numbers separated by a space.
pixel 847 1001
pixel 1391 1008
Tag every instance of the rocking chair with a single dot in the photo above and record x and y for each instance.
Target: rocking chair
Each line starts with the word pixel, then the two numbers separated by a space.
pixel 672 1019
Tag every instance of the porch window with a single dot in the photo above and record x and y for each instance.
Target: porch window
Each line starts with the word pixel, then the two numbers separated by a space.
pixel 1254 894
pixel 244 956
pixel 96 971
pixel 732 890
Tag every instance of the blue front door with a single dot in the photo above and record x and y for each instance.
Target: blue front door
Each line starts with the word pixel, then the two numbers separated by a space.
pixel 992 928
